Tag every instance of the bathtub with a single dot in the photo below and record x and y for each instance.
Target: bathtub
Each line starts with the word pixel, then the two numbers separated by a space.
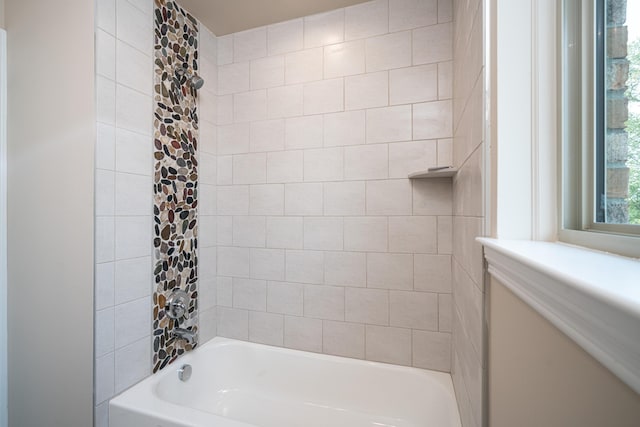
pixel 240 384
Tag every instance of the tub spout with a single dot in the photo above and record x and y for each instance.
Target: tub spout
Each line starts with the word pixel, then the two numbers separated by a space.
pixel 184 334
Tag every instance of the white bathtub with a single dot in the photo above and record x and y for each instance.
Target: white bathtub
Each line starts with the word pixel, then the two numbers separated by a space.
pixel 239 384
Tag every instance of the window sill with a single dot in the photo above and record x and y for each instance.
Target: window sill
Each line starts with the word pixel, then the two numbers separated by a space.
pixel 591 296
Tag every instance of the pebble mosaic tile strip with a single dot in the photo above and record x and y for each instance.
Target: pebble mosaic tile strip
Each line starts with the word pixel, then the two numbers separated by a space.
pixel 175 175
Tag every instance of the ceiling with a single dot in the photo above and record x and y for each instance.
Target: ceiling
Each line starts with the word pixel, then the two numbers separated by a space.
pixel 229 16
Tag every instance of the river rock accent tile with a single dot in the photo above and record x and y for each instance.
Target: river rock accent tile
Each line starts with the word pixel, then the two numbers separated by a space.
pixel 175 175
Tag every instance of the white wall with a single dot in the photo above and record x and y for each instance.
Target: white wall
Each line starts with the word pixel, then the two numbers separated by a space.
pixel 320 235
pixel 51 135
pixel 3 225
pixel 469 148
pixel 124 203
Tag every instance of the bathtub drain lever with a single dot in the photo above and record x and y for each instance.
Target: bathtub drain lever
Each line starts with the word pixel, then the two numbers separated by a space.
pixel 184 372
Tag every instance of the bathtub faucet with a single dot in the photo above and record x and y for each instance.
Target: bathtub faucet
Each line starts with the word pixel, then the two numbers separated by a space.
pixel 184 334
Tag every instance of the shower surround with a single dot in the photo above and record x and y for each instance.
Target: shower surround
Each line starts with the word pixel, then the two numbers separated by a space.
pixel 299 226
pixel 175 177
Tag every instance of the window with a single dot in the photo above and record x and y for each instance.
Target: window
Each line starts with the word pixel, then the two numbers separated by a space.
pixel 601 124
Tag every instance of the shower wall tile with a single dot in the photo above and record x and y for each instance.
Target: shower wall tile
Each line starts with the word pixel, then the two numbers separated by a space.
pixel 368 306
pixel 105 54
pixel 301 333
pixel 413 85
pixel 266 199
pixel 132 237
pixel 432 120
pixel 105 277
pixel 324 302
pixel 433 44
pixel 413 234
pixel 414 310
pixel 366 20
pixel 250 44
pixel 132 152
pixel 326 96
pixel 284 101
pixel 346 128
pixel 407 14
pixel 234 78
pixel 249 231
pixel 132 68
pixel 105 100
pixel 266 328
pixel 285 298
pixel 285 37
pixel 408 157
pixel 388 51
pixel 132 321
pixel 390 271
pixel 343 339
pixel 134 26
pixel 344 59
pixel 324 28
pixel 304 132
pixel 267 135
pixel 250 294
pixel 389 345
pixel 106 15
pixel 367 91
pixel 105 146
pixel 105 378
pixel 132 279
pixel 322 243
pixel 368 234
pixel 233 323
pixel 389 124
pixel 389 197
pixel 285 232
pixel 267 264
pixel 304 66
pixel 132 364
pixel 366 162
pixel 432 350
pixel 345 268
pixel 303 199
pixel 466 318
pixel 344 198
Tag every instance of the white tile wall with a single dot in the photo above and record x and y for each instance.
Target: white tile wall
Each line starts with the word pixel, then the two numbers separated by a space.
pixel 366 20
pixel 321 242
pixel 124 68
pixel 468 366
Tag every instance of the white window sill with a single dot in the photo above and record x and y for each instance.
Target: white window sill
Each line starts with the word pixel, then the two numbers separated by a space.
pixel 591 296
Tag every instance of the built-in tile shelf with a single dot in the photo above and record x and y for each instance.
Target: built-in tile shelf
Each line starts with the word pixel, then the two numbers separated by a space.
pixel 432 173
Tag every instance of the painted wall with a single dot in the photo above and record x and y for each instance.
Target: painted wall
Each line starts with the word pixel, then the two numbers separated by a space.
pixel 51 124
pixel 3 229
pixel 323 244
pixel 540 377
pixel 468 367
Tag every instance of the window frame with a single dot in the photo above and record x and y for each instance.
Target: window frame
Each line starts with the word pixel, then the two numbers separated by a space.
pixel 578 132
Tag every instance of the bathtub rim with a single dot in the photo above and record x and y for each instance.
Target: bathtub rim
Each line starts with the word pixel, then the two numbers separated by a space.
pixel 142 399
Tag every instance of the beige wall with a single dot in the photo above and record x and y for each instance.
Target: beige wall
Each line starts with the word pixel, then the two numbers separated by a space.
pixel 2 13
pixel 540 377
pixel 51 135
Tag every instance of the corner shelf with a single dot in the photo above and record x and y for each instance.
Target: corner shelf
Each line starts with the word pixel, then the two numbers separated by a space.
pixel 432 173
